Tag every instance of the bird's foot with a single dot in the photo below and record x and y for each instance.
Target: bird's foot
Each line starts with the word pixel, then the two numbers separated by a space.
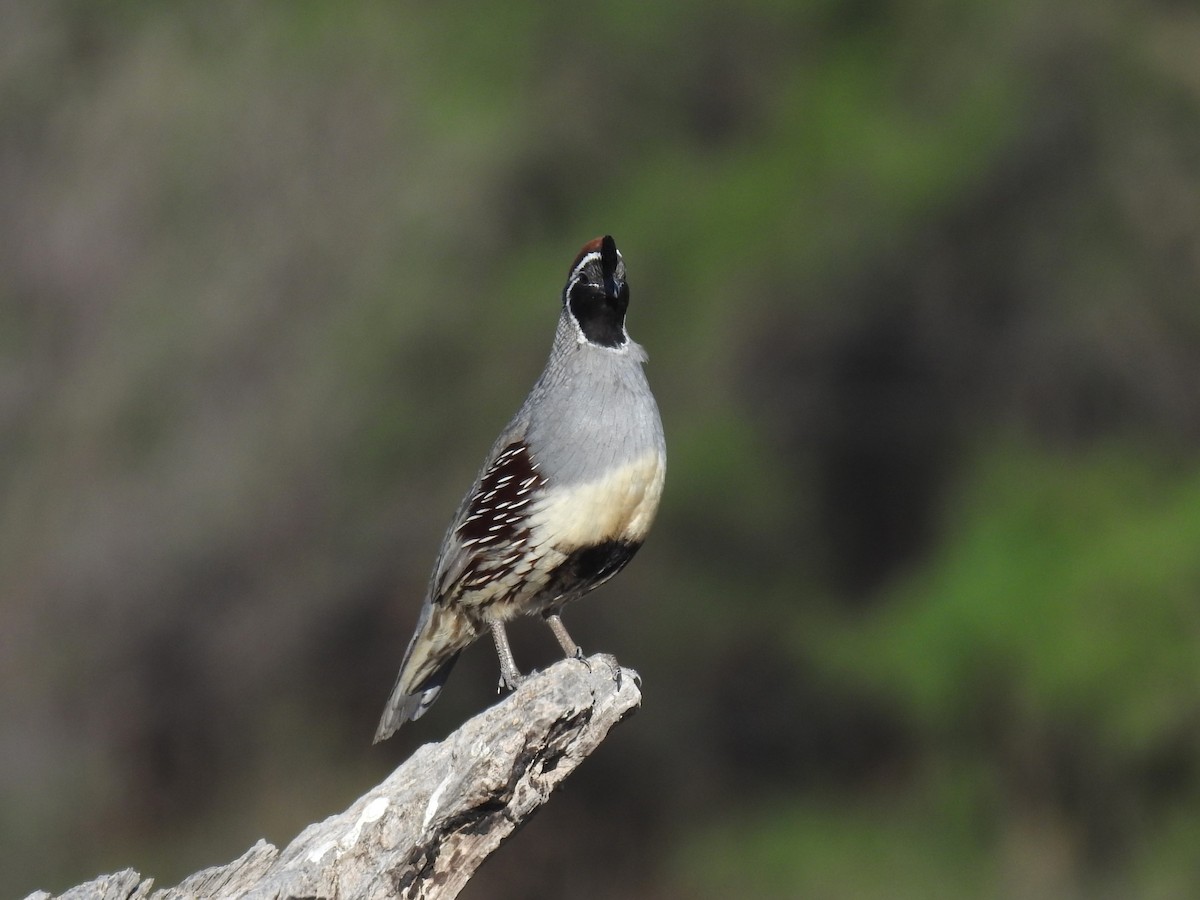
pixel 510 675
pixel 609 660
pixel 510 681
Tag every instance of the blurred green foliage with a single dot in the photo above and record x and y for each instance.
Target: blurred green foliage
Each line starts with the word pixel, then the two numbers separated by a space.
pixel 842 849
pixel 1097 626
pixel 918 282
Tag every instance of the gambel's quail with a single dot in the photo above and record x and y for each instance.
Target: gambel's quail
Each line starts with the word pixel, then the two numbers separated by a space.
pixel 563 501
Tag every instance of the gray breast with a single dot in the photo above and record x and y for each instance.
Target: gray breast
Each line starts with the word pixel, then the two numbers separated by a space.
pixel 594 412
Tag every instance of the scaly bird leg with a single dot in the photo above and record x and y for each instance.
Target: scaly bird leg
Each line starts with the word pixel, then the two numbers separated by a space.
pixel 564 640
pixel 510 676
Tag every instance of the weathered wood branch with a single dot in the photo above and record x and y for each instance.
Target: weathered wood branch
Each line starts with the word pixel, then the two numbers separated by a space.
pixel 425 830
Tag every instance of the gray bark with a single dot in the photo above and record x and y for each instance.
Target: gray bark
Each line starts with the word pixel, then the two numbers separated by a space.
pixel 424 831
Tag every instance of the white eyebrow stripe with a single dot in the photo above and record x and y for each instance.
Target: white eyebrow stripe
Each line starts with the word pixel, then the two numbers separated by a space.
pixel 584 260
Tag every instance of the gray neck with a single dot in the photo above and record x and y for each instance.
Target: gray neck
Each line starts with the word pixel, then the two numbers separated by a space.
pixel 591 409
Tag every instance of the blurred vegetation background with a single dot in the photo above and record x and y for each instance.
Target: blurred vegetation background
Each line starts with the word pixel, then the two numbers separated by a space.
pixel 919 282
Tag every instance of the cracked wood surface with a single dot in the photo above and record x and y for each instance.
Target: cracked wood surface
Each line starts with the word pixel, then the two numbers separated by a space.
pixel 424 831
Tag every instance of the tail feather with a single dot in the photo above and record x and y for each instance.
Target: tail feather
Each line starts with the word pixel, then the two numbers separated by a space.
pixel 406 705
pixel 440 637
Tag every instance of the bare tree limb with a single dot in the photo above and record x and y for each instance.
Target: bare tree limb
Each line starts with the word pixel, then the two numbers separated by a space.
pixel 424 831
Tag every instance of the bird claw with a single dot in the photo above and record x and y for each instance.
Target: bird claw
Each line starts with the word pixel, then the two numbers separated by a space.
pixel 618 674
pixel 512 682
pixel 614 667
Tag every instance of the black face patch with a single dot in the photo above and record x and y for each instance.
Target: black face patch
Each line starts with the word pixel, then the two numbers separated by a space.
pixel 600 311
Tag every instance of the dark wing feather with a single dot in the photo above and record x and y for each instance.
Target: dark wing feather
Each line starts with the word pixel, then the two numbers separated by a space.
pixel 493 528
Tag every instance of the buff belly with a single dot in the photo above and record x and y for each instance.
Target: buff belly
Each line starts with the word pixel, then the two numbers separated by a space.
pixel 581 535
